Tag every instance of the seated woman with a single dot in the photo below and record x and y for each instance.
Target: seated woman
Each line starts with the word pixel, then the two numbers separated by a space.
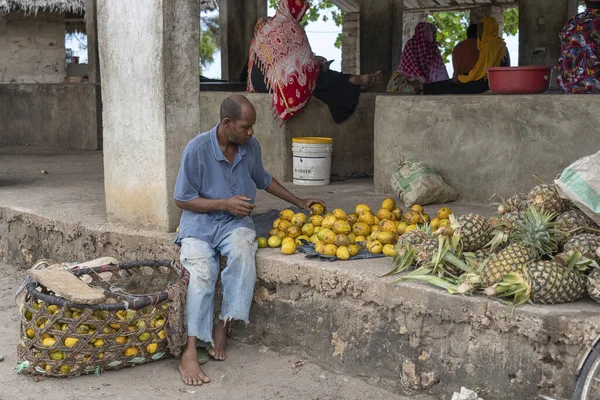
pixel 579 63
pixel 282 62
pixel 421 61
pixel 492 53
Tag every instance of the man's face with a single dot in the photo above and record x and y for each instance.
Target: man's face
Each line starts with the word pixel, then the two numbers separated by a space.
pixel 240 132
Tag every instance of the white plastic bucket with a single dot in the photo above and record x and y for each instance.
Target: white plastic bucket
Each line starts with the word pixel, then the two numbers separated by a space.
pixel 312 160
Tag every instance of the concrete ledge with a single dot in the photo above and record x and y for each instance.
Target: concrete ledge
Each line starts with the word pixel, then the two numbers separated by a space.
pixel 352 140
pixel 408 337
pixel 485 144
pixel 57 115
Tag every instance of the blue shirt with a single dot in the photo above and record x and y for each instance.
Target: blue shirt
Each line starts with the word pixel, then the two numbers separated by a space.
pixel 206 173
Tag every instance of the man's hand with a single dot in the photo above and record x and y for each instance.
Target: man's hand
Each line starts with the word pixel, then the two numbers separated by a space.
pixel 305 204
pixel 239 206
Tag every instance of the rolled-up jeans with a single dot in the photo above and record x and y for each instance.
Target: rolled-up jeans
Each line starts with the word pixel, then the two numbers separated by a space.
pixel 238 278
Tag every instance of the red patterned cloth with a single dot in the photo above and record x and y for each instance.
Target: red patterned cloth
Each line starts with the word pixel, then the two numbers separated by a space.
pixel 579 63
pixel 281 50
pixel 421 59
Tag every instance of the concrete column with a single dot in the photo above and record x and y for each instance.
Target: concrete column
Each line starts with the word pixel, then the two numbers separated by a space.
pixel 351 43
pixel 237 19
pixel 91 27
pixel 410 22
pixel 488 11
pixel 572 7
pixel 540 21
pixel 149 69
pixel 380 37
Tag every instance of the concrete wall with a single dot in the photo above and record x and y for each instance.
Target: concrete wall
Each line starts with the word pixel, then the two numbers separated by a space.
pixel 352 140
pixel 540 22
pixel 407 337
pixel 32 48
pixel 50 115
pixel 149 69
pixel 351 43
pixel 485 144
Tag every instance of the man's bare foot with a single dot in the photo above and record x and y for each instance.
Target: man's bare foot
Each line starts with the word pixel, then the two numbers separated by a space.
pixel 366 81
pixel 190 370
pixel 220 339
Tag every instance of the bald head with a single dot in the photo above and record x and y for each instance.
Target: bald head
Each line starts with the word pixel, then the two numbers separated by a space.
pixel 238 116
pixel 234 107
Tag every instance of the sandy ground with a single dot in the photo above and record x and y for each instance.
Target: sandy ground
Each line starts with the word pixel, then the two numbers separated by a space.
pixel 250 372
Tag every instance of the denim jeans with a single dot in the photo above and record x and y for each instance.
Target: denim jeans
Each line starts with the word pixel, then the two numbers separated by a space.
pixel 238 278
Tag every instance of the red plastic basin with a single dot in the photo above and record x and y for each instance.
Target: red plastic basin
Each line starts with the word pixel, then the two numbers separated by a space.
pixel 519 80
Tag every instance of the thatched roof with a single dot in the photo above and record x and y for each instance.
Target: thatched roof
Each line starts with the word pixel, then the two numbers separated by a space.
pixel 429 5
pixel 67 6
pixel 209 5
pixel 34 6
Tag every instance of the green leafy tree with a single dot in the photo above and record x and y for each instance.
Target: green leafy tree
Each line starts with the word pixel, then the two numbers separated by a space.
pixel 452 28
pixel 319 11
pixel 209 39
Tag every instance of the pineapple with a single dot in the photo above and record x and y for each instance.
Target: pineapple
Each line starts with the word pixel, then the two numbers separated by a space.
pixel 593 285
pixel 415 237
pixel 544 282
pixel 426 250
pixel 517 202
pixel 545 197
pixel 512 217
pixel 552 282
pixel 586 243
pixel 474 231
pixel 572 220
pixel 532 238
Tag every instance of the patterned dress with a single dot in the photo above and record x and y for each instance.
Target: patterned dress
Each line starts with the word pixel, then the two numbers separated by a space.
pixel 579 64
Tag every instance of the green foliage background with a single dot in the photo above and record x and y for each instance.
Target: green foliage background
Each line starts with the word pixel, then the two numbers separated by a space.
pixel 451 28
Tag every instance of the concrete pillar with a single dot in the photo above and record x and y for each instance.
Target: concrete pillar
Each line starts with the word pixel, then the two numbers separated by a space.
pixel 351 43
pixel 237 19
pixel 380 37
pixel 572 8
pixel 410 22
pixel 149 69
pixel 540 21
pixel 91 27
pixel 488 11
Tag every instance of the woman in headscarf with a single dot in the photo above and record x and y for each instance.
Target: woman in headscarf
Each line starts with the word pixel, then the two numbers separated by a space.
pixel 281 62
pixel 421 61
pixel 492 53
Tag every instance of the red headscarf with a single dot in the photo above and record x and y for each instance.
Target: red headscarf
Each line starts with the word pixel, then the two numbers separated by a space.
pixel 421 59
pixel 281 50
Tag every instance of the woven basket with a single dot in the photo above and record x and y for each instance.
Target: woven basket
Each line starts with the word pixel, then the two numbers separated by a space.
pixel 63 339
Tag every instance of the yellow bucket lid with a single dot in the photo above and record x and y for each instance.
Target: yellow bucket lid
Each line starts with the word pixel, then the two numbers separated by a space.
pixel 312 140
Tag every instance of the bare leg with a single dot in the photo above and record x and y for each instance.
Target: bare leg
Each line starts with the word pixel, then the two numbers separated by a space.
pixel 220 339
pixel 190 370
pixel 367 80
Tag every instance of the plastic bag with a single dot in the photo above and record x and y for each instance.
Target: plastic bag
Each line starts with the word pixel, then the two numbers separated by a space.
pixel 580 183
pixel 416 183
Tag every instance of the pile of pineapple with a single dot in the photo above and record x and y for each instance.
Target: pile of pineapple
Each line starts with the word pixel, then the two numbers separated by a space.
pixel 342 235
pixel 536 248
pixel 47 327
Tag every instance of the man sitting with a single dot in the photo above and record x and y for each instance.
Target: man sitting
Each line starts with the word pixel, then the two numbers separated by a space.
pixel 466 53
pixel 216 187
pixel 579 63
